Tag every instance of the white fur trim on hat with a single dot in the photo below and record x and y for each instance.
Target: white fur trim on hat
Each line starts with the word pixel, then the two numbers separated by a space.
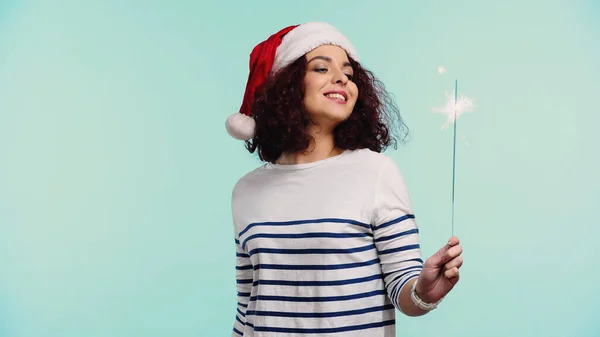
pixel 240 126
pixel 307 37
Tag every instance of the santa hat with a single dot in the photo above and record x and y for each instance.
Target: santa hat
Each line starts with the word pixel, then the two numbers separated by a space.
pixel 275 53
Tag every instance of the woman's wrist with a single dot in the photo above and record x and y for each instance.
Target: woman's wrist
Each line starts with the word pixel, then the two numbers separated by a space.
pixel 420 298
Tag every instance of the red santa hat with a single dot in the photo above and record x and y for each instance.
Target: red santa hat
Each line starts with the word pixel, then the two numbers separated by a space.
pixel 275 53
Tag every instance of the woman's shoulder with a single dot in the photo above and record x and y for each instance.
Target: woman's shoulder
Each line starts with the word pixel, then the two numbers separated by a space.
pixel 369 154
pixel 371 159
pixel 252 177
pixel 380 166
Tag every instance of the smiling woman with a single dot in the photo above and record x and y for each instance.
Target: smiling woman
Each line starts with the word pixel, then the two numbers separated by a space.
pixel 291 109
pixel 326 240
pixel 329 93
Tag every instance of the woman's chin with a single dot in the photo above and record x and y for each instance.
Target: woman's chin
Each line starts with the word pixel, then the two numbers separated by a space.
pixel 330 117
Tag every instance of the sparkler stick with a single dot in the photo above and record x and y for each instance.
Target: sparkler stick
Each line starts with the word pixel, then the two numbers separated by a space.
pixel 454 150
pixel 453 108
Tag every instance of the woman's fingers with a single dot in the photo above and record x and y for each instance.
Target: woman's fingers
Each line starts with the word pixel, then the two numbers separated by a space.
pixel 451 273
pixel 451 254
pixel 454 263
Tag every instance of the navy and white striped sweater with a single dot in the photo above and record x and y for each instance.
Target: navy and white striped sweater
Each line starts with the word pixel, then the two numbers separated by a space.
pixel 324 248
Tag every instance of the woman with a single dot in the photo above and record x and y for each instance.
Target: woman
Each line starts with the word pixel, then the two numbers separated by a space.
pixel 326 239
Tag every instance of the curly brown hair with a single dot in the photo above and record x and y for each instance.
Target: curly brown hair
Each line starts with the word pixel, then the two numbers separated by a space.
pixel 282 123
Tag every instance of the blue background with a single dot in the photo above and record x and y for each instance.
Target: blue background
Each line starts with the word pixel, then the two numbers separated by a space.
pixel 116 170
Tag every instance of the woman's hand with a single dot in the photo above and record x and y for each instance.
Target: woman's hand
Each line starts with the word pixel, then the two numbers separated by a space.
pixel 440 272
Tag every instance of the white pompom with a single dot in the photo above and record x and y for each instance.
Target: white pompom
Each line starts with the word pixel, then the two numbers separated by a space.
pixel 240 126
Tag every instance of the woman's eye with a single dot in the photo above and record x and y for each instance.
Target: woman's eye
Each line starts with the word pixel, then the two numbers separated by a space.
pixel 324 70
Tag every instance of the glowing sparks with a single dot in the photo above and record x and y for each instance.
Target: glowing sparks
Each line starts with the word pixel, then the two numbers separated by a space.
pixel 441 70
pixel 454 108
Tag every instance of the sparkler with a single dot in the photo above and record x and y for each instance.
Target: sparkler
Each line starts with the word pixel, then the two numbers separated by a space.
pixel 454 108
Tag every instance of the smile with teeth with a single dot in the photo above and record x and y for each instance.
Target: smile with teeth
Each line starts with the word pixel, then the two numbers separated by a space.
pixel 336 97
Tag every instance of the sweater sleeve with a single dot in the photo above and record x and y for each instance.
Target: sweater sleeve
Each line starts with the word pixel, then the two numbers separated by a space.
pixel 395 231
pixel 243 280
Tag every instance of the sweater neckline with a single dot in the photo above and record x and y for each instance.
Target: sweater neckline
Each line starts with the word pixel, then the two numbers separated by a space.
pixel 308 165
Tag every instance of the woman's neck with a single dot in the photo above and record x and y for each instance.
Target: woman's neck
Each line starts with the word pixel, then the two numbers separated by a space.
pixel 322 146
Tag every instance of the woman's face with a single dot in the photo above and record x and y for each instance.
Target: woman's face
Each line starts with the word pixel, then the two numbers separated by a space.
pixel 329 93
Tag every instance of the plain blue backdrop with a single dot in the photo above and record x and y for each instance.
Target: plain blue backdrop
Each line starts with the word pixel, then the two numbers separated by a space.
pixel 116 170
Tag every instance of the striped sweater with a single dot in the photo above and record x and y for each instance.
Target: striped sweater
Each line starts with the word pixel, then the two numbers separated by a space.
pixel 323 248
